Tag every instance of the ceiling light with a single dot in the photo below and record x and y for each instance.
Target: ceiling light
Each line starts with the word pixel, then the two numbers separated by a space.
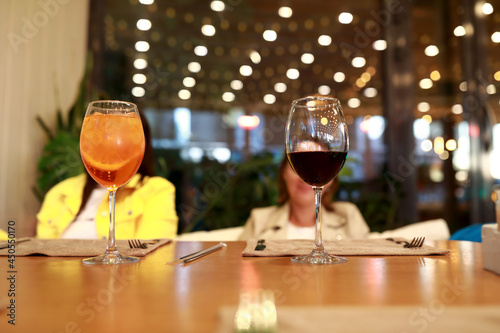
pixel 189 82
pixel 280 87
pixel 360 83
pixel 142 46
pixel 339 77
pixel 497 76
pixel 285 12
pixel 457 109
pixel 353 103
pixel 270 35
pixel 324 40
pixel 487 8
pixel 366 77
pixel 138 91
pixel 146 2
pixel 248 122
pixel 379 45
pixel 217 6
pixel 184 94
pixel 451 144
pixel 463 86
pixel 324 90
pixel 208 30
pixel 435 75
pixel 255 57
pixel 370 92
pixel 246 70
pixel 144 24
pixel 423 106
pixel 427 118
pixel 426 145
pixel 140 63
pixel 269 99
pixel 425 83
pixel 194 67
pixel 139 78
pixel 345 18
pixel 358 62
pixel 431 51
pixel 236 85
pixel 491 89
pixel 292 74
pixel 439 145
pixel 228 97
pixel 495 38
pixel 307 58
pixel 200 51
pixel 459 31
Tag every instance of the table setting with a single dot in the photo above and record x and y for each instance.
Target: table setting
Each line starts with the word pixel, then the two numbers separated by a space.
pixel 258 285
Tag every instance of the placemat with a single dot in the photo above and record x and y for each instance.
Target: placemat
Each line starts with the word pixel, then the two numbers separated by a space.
pixel 78 247
pixel 383 319
pixel 354 247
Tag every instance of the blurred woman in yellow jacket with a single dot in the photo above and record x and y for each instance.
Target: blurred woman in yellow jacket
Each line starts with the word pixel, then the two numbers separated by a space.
pixel 78 207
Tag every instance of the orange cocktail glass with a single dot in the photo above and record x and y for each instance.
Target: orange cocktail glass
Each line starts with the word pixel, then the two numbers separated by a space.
pixel 112 147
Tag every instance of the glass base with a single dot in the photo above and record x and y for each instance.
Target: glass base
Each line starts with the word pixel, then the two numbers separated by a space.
pixel 110 259
pixel 320 258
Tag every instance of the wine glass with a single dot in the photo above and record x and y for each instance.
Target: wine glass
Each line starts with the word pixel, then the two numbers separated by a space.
pixel 112 147
pixel 317 143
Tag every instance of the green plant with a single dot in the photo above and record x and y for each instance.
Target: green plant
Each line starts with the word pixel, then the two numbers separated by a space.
pixel 61 155
pixel 222 195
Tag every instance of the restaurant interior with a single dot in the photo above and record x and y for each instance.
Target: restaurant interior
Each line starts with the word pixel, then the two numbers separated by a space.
pixel 417 82
pixel 216 83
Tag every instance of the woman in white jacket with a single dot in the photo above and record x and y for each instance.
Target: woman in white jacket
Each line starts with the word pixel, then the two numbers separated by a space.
pixel 294 217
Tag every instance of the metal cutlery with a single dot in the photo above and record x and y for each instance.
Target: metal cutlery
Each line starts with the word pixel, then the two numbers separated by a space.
pixel 7 244
pixel 415 242
pixel 260 245
pixel 198 254
pixel 137 244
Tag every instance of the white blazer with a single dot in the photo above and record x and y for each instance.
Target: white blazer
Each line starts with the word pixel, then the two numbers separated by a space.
pixel 344 222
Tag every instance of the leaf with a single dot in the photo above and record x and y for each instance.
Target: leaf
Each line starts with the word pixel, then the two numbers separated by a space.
pixel 44 127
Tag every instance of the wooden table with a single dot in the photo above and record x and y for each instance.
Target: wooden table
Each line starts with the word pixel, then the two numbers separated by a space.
pixel 62 295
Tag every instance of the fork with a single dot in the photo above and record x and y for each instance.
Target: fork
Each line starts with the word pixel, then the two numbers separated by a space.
pixel 415 242
pixel 136 244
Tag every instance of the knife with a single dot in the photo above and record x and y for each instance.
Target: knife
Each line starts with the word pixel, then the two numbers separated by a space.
pixel 198 254
pixel 6 245
pixel 260 245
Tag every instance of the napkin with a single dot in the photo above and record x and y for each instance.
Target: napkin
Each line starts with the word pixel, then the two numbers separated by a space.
pixel 78 247
pixel 383 319
pixel 354 247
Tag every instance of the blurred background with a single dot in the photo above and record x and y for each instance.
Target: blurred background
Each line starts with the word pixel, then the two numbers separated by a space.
pixel 417 81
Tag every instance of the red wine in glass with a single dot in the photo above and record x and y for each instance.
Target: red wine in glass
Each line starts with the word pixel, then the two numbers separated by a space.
pixel 317 143
pixel 317 168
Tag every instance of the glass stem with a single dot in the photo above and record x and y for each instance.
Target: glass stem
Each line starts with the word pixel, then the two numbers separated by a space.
pixel 111 247
pixel 318 242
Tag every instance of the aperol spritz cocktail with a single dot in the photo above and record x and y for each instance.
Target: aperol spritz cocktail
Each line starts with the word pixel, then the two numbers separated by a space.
pixel 112 147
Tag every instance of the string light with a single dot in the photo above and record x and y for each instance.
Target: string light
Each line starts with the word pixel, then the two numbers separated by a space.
pixel 285 12
pixel 345 18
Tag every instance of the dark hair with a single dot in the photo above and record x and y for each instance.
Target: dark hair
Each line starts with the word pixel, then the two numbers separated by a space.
pixel 145 169
pixel 284 196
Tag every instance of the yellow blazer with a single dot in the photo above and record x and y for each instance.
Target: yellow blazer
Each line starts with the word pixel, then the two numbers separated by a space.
pixel 144 210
